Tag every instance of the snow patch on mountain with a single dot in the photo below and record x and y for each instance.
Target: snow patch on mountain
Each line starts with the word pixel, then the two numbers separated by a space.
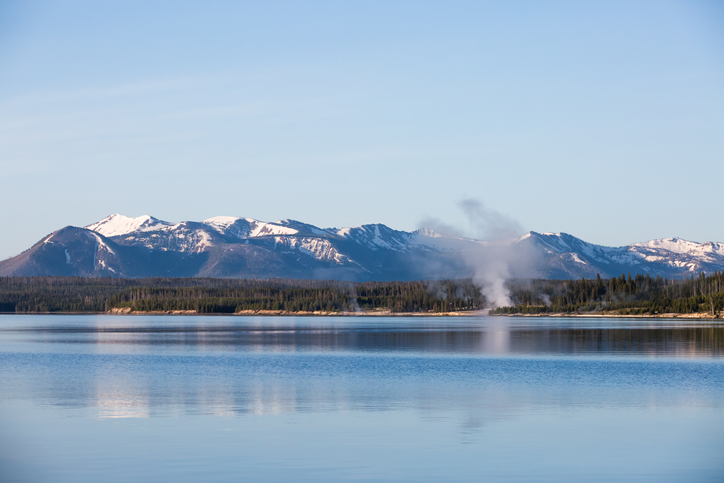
pixel 576 258
pixel 249 227
pixel 684 247
pixel 222 223
pixel 304 228
pixel 378 236
pixel 203 242
pixel 319 248
pixel 259 228
pixel 117 225
pixel 182 237
pixel 101 245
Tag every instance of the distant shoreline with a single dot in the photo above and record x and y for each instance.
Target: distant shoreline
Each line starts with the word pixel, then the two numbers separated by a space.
pixel 267 313
pixel 284 313
pixel 380 313
pixel 697 315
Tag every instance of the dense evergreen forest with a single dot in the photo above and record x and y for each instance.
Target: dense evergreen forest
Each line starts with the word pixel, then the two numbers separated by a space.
pixel 625 295
pixel 79 295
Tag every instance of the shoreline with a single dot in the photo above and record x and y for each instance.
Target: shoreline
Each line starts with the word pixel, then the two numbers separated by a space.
pixel 696 315
pixel 284 313
pixel 380 313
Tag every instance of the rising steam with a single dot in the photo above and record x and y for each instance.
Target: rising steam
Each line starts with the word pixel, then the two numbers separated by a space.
pixel 494 260
pixel 489 225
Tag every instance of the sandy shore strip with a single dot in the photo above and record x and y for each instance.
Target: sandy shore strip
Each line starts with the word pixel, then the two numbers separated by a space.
pixel 698 315
pixel 375 313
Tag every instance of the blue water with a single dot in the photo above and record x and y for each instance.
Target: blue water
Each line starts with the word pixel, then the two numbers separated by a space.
pixel 154 398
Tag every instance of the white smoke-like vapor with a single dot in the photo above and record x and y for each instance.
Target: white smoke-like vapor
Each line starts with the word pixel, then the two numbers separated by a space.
pixel 488 224
pixel 492 278
pixel 491 268
pixel 493 261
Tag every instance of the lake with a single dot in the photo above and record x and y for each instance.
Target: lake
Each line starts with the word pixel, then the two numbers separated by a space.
pixel 177 398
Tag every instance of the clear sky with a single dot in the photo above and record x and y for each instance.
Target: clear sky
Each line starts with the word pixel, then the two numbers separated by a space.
pixel 600 119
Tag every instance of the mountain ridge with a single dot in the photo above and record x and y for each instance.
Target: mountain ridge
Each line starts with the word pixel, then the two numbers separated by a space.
pixel 236 247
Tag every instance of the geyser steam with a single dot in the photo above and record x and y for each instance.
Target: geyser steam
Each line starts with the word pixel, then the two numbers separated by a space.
pixel 491 266
pixel 493 261
pixel 489 225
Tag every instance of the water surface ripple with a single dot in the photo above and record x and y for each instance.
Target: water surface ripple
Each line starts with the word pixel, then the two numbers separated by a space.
pixel 154 398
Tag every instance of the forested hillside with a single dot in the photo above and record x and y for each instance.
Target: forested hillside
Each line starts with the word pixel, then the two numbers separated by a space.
pixel 624 295
pixel 76 294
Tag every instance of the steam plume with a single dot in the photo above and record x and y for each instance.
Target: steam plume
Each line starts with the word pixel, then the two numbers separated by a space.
pixel 488 224
pixel 492 267
pixel 493 261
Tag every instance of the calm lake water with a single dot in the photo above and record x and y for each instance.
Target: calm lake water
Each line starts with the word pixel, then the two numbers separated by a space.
pixel 172 398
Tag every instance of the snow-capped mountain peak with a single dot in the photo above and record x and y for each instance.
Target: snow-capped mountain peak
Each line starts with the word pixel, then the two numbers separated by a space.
pixel 117 225
pixel 222 221
pixel 229 246
pixel 684 247
pixel 377 236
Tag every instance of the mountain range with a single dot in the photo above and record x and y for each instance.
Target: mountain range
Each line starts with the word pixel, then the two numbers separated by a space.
pixel 231 247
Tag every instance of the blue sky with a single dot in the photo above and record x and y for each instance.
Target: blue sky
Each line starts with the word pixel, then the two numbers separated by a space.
pixel 601 119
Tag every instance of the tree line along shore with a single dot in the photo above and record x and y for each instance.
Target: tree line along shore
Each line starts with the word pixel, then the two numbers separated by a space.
pixel 640 295
pixel 230 296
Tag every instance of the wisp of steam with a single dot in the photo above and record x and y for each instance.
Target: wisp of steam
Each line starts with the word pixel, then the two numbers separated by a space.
pixel 492 261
